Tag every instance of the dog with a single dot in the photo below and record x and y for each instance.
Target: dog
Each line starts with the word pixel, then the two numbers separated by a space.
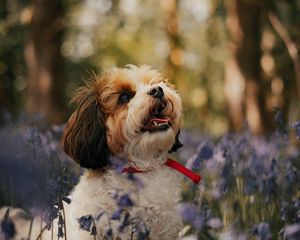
pixel 134 114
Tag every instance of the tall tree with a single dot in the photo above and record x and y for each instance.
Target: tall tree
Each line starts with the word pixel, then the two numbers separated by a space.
pixel 242 81
pixel 44 62
pixel 12 68
pixel 175 57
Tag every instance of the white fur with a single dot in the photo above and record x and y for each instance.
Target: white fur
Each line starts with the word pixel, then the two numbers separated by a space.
pixel 154 203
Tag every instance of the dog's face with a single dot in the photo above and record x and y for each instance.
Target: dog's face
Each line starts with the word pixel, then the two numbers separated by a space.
pixel 132 112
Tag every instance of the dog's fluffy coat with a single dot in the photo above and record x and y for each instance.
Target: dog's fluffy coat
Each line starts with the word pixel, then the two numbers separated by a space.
pixel 132 113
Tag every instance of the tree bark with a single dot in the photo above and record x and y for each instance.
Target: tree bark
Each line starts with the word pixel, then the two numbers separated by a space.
pixel 242 70
pixel 44 62
pixel 175 57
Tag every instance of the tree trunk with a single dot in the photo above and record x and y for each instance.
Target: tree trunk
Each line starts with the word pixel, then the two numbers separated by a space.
pixel 44 62
pixel 175 57
pixel 242 71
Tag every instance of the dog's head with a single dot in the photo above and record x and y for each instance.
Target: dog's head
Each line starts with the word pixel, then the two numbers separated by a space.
pixel 131 112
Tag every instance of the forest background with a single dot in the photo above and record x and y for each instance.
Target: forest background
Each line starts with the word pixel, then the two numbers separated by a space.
pixel 232 61
pixel 236 66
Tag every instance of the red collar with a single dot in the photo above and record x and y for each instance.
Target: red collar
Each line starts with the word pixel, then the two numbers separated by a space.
pixel 172 164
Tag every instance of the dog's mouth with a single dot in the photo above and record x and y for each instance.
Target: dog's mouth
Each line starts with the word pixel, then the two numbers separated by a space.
pixel 157 121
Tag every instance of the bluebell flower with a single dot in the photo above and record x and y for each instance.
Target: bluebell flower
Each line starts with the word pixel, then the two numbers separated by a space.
pixel 249 183
pixel 125 201
pixel 8 226
pixel 50 214
pixel 134 178
pixel 116 215
pixel 262 230
pixel 296 126
pixel 206 152
pixel 199 222
pixel 280 121
pixel 118 164
pixel 188 211
pixel 195 162
pixel 215 223
pixel 85 222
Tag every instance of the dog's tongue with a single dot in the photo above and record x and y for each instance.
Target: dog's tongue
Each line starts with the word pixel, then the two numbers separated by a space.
pixel 160 120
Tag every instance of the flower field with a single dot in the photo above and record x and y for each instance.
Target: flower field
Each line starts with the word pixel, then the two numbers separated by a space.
pixel 250 187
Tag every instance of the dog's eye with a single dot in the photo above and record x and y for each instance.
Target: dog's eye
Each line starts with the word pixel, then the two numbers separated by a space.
pixel 125 97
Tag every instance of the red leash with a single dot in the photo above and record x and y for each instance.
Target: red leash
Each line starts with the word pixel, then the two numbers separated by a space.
pixel 172 164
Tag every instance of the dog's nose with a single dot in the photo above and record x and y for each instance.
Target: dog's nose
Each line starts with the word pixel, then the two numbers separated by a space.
pixel 156 92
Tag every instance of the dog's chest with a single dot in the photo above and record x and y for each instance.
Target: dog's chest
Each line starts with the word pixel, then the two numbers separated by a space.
pixel 159 187
pixel 156 188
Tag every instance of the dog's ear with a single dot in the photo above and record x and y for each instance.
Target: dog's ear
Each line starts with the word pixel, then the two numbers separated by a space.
pixel 84 137
pixel 177 144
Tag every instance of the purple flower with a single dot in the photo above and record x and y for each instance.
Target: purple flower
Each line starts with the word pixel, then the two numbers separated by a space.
pixel 206 152
pixel 215 223
pixel 296 126
pixel 188 212
pixel 125 201
pixel 250 183
pixel 50 215
pixel 117 164
pixel 280 121
pixel 262 230
pixel 138 182
pixel 85 222
pixel 116 215
pixel 8 226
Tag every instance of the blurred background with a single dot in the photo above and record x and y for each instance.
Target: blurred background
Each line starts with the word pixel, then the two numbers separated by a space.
pixel 232 61
pixel 235 63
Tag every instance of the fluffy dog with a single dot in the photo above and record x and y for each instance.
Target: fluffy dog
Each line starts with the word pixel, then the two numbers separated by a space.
pixel 132 113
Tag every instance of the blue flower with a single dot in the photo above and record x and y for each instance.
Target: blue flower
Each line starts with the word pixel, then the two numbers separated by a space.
pixel 85 222
pixel 117 164
pixel 8 226
pixel 189 212
pixel 280 121
pixel 125 201
pixel 296 126
pixel 262 230
pixel 116 215
pixel 206 152
pixel 250 183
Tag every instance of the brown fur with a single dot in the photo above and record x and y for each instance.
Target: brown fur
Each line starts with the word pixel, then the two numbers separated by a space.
pixel 95 129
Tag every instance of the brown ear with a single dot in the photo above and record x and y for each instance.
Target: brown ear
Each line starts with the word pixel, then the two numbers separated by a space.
pixel 84 137
pixel 177 144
